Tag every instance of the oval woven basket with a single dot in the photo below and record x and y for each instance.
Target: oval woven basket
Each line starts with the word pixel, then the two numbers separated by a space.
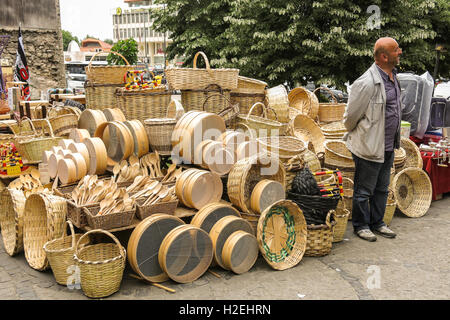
pixel 305 101
pixel 43 220
pixel 306 129
pixel 101 265
pixel 11 222
pixel 330 111
pixel 246 173
pixel 60 253
pixel 277 99
pixel 262 126
pixel 320 238
pixel 413 192
pixel 282 147
pixel 337 154
pixel 282 235
pixel 413 156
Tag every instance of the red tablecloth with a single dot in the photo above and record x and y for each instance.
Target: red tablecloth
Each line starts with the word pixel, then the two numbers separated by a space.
pixel 439 176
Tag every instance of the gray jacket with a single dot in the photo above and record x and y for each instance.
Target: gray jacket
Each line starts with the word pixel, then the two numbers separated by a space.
pixel 364 117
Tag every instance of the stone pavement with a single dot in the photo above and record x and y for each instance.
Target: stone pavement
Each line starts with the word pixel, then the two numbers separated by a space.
pixel 415 265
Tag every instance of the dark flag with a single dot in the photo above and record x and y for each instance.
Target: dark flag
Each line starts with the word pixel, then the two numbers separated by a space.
pixel 21 69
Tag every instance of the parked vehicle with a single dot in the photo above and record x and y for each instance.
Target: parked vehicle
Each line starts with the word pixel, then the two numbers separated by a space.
pixel 76 74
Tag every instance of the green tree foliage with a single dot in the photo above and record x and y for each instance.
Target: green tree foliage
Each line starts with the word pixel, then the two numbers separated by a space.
pixel 128 48
pixel 440 20
pixel 109 41
pixel 67 37
pixel 295 41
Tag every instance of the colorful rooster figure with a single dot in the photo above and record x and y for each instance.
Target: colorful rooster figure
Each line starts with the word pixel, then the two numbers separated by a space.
pixel 135 81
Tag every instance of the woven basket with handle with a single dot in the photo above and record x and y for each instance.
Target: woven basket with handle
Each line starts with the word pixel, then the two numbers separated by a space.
pixel 320 238
pixel 101 265
pixel 60 253
pixel 194 78
pixel 304 101
pixel 194 99
pixel 330 111
pixel 248 92
pixel 277 99
pixel 341 218
pixel 11 221
pixel 110 74
pixel 262 126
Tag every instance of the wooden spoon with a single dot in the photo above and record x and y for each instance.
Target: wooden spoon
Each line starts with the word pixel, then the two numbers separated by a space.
pixel 116 171
pixel 171 169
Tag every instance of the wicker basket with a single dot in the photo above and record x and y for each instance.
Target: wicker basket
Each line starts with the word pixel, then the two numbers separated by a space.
pixel 143 104
pixel 143 212
pixel 101 266
pixel 108 221
pixel 292 167
pixel 31 148
pixel 199 100
pixel 306 129
pixel 412 191
pixel 338 155
pixel 62 125
pixel 347 185
pixel 282 147
pixel 229 112
pixel 413 156
pixel 304 101
pixel 391 205
pixel 332 111
pixel 252 219
pixel 282 235
pixel 11 221
pixel 60 253
pixel 193 78
pixel 76 214
pixel 101 95
pixel 107 74
pixel 320 238
pixel 159 132
pixel 341 217
pixel 277 99
pixel 43 220
pixel 246 173
pixel 262 126
pixel 248 92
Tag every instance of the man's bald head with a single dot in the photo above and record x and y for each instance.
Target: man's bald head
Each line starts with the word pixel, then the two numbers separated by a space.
pixel 386 51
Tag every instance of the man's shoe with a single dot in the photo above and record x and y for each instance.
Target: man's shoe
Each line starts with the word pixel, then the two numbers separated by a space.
pixel 366 234
pixel 385 232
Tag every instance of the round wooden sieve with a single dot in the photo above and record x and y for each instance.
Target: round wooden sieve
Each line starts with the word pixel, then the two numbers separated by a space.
pixel 240 252
pixel 46 156
pixel 97 155
pixel 207 216
pixel 81 149
pixel 124 146
pixel 140 137
pixel 78 135
pixel 64 143
pixel 53 164
pixel 67 171
pixel 80 164
pixel 90 119
pixel 266 193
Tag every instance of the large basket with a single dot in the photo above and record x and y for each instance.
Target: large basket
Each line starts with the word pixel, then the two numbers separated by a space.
pixel 304 101
pixel 101 266
pixel 315 207
pixel 413 192
pixel 277 99
pixel 195 99
pixel 107 74
pixel 60 253
pixel 11 221
pixel 262 126
pixel 391 205
pixel 246 173
pixel 306 129
pixel 413 156
pixel 143 104
pixel 330 111
pixel 31 148
pixel 320 238
pixel 101 95
pixel 282 235
pixel 338 155
pixel 248 92
pixel 194 78
pixel 43 220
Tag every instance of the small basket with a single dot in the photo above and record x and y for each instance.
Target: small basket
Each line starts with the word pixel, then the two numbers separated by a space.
pixel 306 129
pixel 338 155
pixel 108 221
pixel 159 132
pixel 195 99
pixel 320 238
pixel 332 111
pixel 277 99
pixel 63 124
pixel 248 92
pixel 413 156
pixel 76 214
pixel 31 148
pixel 282 147
pixel 60 253
pixel 341 218
pixel 101 266
pixel 347 185
pixel 194 78
pixel 262 126
pixel 304 101
pixel 143 212
pixel 412 192
pixel 391 205
pixel 107 74
pixel 143 103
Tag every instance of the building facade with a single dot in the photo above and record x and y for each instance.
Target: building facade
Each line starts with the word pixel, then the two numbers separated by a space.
pixel 135 21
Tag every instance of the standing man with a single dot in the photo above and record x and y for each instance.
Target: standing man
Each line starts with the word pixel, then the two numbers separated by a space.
pixel 372 119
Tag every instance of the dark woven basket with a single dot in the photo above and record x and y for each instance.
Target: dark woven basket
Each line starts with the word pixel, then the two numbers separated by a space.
pixel 315 208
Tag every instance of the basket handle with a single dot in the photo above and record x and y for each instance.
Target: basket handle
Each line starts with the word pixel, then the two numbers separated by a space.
pixel 92 59
pixel 331 92
pixel 251 109
pixel 49 127
pixel 246 128
pixel 328 219
pixel 19 122
pixel 72 232
pixel 204 58
pixel 109 234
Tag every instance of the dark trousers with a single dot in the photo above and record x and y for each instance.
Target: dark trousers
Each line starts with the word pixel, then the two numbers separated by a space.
pixel 370 191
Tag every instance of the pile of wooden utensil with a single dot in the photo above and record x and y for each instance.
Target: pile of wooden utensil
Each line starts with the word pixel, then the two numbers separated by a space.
pixel 172 173
pixel 125 171
pixel 28 183
pixel 151 164
pixel 148 191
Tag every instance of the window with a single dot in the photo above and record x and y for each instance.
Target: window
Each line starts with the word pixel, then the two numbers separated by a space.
pixel 133 18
